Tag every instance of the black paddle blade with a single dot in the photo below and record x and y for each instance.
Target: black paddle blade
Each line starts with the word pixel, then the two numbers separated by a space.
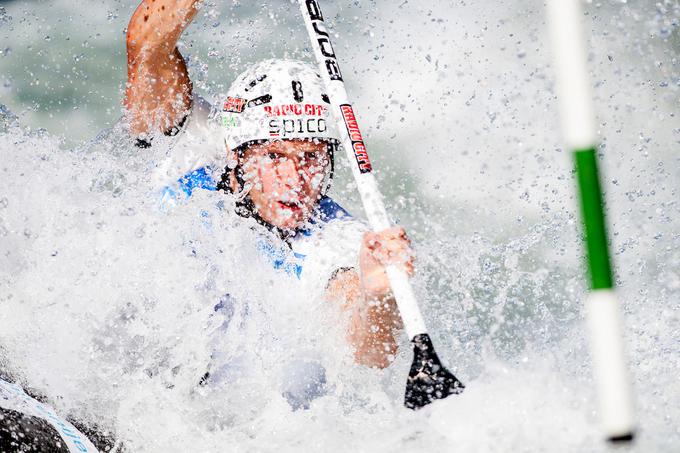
pixel 428 379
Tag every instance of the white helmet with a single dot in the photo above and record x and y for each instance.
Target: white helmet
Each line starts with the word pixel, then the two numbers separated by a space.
pixel 277 99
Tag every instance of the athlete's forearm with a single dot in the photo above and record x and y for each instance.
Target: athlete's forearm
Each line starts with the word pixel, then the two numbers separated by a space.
pixel 374 321
pixel 376 327
pixel 159 92
pixel 156 25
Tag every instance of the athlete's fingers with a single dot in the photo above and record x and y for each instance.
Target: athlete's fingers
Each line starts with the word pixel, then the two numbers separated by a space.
pixel 392 251
pixel 392 232
pixel 389 247
pixel 380 250
pixel 388 234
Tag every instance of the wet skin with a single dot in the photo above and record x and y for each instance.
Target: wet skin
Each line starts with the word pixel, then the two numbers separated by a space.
pixel 286 179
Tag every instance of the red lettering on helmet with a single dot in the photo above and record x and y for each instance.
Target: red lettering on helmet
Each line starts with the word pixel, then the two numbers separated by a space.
pixel 295 110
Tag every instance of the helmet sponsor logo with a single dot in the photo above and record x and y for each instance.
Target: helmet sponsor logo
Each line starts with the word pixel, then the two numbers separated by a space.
pixel 234 105
pixel 295 110
pixel 323 39
pixel 228 121
pixel 293 127
pixel 358 145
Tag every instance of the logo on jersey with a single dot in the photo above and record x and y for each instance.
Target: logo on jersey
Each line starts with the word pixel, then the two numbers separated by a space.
pixel 234 105
pixel 357 140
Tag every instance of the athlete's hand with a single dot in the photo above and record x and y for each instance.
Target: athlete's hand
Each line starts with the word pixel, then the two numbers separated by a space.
pixel 378 250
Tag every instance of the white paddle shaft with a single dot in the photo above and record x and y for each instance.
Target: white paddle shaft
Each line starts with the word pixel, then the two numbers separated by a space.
pixel 357 156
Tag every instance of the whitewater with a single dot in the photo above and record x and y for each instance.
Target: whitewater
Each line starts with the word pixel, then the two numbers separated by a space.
pixel 107 302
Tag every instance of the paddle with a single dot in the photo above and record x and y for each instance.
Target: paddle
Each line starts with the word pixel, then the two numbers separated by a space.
pixel 428 379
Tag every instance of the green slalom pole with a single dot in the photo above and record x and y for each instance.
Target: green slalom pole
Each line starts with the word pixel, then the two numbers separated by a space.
pixel 602 308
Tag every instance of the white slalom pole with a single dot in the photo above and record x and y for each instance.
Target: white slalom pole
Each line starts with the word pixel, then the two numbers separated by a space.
pixel 418 392
pixel 602 307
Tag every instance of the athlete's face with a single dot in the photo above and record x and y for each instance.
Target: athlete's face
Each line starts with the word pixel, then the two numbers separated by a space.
pixel 287 178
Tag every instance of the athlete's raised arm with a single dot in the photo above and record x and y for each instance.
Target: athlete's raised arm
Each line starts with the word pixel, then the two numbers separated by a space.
pixel 158 90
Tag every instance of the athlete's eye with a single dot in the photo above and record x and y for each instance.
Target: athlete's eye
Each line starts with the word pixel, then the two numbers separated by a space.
pixel 274 156
pixel 314 158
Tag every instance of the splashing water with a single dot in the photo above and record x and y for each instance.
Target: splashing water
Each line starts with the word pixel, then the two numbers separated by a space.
pixel 107 303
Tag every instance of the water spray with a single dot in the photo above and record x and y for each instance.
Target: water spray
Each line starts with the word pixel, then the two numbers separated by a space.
pixel 602 307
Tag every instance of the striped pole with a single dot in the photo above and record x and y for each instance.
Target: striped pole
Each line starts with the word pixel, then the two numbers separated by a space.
pixel 602 307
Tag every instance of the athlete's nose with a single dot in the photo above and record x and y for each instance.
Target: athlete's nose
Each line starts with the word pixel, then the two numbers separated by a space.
pixel 289 172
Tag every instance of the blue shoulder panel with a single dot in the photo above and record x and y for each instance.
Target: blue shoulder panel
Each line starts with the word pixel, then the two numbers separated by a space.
pixel 326 211
pixel 201 178
pixel 329 210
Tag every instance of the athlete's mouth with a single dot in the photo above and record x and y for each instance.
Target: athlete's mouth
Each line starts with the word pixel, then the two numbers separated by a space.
pixel 291 206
